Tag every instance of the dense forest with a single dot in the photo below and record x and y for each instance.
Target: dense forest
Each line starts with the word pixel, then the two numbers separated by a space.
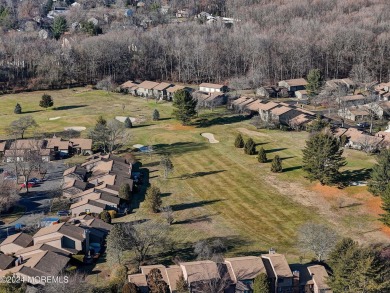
pixel 269 40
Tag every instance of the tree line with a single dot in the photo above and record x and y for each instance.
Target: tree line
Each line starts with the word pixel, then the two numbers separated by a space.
pixel 271 40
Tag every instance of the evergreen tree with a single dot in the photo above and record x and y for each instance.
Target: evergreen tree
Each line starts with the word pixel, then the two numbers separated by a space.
pixel 380 174
pixel 125 191
pixel 250 147
pixel 167 165
pixel 46 101
pixel 181 285
pixel 239 142
pixel 18 109
pixel 317 125
pixel 358 269
pixel 185 106
pixel 261 284
pixel 322 158
pixel 59 26
pixel 276 165
pixel 101 121
pixel 314 82
pixel 262 156
pixel 156 115
pixel 385 218
pixel 130 288
pixel 156 282
pixel 105 216
pixel 153 199
pixel 128 123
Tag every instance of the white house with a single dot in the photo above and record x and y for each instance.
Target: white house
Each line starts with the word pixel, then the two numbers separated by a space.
pixel 212 87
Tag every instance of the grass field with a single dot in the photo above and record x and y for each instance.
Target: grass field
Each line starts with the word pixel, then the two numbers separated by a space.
pixel 216 190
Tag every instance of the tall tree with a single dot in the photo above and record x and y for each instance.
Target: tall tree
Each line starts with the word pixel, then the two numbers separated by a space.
pixel 18 109
pixel 156 115
pixel 261 284
pixel 239 142
pixel 105 216
pixel 385 218
pixel 167 165
pixel 380 174
pixel 276 165
pixel 317 238
pixel 46 101
pixel 314 82
pixel 185 106
pixel 59 26
pixel 262 156
pixel 125 191
pixel 322 158
pixel 19 127
pixel 250 147
pixel 118 241
pixel 357 268
pixel 156 282
pixel 153 199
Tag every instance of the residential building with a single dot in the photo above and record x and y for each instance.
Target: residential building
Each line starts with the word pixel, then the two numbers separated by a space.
pixel 212 88
pixel 15 242
pixel 61 148
pixel 6 262
pixel 209 100
pixel 267 92
pixel 140 281
pixel 160 91
pixel 279 272
pixel 74 186
pixel 351 101
pixel 380 110
pixel 172 90
pixel 76 172
pixel 81 146
pixel 145 88
pixel 87 206
pixel 354 114
pixel 293 85
pixel 301 95
pixel 265 110
pixel 319 277
pixel 346 83
pixel 359 140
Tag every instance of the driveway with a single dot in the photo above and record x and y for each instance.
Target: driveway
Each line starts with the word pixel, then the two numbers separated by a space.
pixel 37 201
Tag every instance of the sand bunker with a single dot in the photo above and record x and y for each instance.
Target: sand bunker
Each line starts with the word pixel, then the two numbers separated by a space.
pixel 123 118
pixel 76 128
pixel 138 146
pixel 54 118
pixel 210 137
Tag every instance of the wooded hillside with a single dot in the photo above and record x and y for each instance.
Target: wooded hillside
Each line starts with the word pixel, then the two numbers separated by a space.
pixel 269 40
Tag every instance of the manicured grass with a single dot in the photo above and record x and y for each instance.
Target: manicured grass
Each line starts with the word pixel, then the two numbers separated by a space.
pixel 215 190
pixel 13 215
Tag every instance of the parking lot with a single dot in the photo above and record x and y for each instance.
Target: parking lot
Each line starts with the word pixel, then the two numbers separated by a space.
pixel 37 200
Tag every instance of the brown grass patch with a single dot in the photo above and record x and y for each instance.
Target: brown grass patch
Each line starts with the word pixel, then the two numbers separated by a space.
pixel 180 127
pixel 329 192
pixel 374 205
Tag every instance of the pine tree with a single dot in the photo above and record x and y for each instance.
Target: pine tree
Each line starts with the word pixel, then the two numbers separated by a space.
pixel 105 216
pixel 156 282
pixel 239 142
pixel 385 218
pixel 167 165
pixel 153 199
pixel 46 101
pixel 314 82
pixel 380 174
pixel 18 109
pixel 250 147
pixel 156 115
pixel 185 106
pixel 276 165
pixel 125 191
pixel 261 284
pixel 322 158
pixel 59 26
pixel 262 156
pixel 181 285
pixel 128 123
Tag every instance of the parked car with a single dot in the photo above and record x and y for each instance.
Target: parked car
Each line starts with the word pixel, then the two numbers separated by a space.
pixel 29 185
pixel 35 180
pixel 63 213
pixel 363 124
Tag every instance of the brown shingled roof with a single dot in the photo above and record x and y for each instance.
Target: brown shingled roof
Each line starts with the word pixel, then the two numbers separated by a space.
pixel 162 86
pixel 148 84
pixel 244 268
pixel 6 261
pixel 21 239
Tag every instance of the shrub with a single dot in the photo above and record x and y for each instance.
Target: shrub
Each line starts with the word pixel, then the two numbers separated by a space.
pixel 276 166
pixel 250 147
pixel 105 216
pixel 262 156
pixel 128 123
pixel 156 115
pixel 18 109
pixel 112 214
pixel 239 142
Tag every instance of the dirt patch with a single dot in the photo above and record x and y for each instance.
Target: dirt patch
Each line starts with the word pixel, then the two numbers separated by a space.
pixel 180 127
pixel 323 200
pixel 251 132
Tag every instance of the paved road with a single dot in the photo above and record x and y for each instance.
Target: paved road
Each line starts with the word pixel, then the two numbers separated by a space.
pixel 37 200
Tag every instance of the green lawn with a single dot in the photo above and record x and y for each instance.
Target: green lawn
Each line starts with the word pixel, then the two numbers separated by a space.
pixel 215 190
